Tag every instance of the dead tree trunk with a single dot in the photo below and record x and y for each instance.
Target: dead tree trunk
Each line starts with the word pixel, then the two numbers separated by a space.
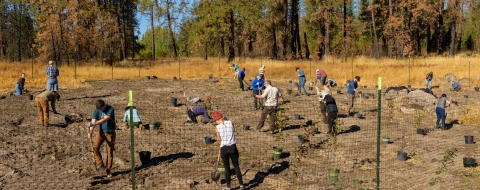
pixel 307 51
pixel 231 36
pixel 153 32
pixel 172 36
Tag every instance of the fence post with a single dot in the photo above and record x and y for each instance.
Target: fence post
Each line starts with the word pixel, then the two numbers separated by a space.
pixel 409 70
pixel 132 138
pixel 379 119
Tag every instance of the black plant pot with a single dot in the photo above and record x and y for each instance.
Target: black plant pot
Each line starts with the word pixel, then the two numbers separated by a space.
pixel 469 162
pixel 289 91
pixel 359 115
pixel 297 116
pixel 465 96
pixel 173 101
pixel 295 83
pixel 246 127
pixel 468 139
pixel 409 86
pixel 401 155
pixel 364 86
pixel 145 156
pixel 30 97
pixel 290 81
pixel 208 140
pixel 210 76
pixel 301 138
pixel 421 132
pixel 339 92
pixel 477 89
pixel 309 123
pixel 310 88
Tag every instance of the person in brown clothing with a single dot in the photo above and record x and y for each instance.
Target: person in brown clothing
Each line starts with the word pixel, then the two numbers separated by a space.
pixel 42 105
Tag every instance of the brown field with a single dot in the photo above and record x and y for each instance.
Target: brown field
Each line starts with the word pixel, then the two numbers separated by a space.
pixel 393 72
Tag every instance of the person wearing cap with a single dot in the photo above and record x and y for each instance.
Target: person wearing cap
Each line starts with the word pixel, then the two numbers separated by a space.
pixel 321 76
pixel 302 81
pixel 321 97
pixel 428 80
pixel 241 76
pixel 42 105
pixel 136 117
pixel 236 68
pixel 257 86
pixel 52 73
pixel 440 110
pixel 196 111
pixel 261 72
pixel 271 95
pixel 331 112
pixel 456 86
pixel 104 117
pixel 19 87
pixel 228 148
pixel 352 89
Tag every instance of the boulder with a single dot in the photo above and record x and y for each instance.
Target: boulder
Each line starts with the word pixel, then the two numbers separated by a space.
pixel 424 99
pixel 450 77
pixel 392 94
pixel 455 112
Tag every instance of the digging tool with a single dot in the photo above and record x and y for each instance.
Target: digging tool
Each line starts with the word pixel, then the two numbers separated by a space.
pixel 91 144
pixel 215 174
pixel 260 99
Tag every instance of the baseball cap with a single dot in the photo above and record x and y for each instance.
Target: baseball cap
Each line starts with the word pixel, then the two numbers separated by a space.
pixel 217 115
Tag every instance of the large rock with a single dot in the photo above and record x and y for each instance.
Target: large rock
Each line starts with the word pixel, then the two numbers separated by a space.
pixel 455 112
pixel 424 99
pixel 392 94
pixel 450 77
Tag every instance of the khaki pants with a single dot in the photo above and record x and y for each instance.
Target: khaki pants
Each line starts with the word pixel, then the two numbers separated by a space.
pixel 42 109
pixel 352 98
pixel 100 137
pixel 270 111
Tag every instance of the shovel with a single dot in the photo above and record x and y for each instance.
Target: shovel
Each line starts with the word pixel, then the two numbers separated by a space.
pixel 215 174
pixel 91 144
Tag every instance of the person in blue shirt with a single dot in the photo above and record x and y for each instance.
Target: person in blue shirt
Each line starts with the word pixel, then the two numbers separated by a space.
pixel 257 86
pixel 352 89
pixel 302 81
pixel 136 117
pixel 236 68
pixel 456 86
pixel 241 76
pixel 104 117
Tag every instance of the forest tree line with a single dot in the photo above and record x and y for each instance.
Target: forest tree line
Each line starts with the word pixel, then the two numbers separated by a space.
pixel 107 30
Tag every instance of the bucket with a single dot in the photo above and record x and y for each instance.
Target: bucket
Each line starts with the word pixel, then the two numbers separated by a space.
pixel 333 174
pixel 301 138
pixel 246 127
pixel 421 131
pixel 359 115
pixel 145 156
pixel 477 89
pixel 208 140
pixel 385 140
pixel 401 155
pixel 289 91
pixel 364 86
pixel 221 170
pixel 468 139
pixel 290 81
pixel 297 116
pixel 30 97
pixel 469 162
pixel 68 119
pixel 173 101
pixel 277 153
pixel 309 123
pixel 465 96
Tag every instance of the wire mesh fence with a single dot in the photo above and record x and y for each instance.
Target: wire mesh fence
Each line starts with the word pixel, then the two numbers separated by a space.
pixel 181 157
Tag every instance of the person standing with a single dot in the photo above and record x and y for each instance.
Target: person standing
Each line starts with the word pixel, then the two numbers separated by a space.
pixel 271 95
pixel 332 110
pixel 456 86
pixel 257 86
pixel 261 72
pixel 196 111
pixel 302 81
pixel 19 87
pixel 228 148
pixel 52 73
pixel 236 68
pixel 104 117
pixel 440 110
pixel 136 117
pixel 42 105
pixel 321 97
pixel 428 80
pixel 321 76
pixel 352 89
pixel 241 76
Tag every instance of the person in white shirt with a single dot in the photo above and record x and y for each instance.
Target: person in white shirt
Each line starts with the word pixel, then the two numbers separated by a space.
pixel 271 95
pixel 228 148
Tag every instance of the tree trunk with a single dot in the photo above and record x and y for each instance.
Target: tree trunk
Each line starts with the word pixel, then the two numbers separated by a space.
pixel 452 38
pixel 440 29
pixel 222 46
pixel 172 36
pixel 344 30
pixel 205 51
pixel 250 43
pixel 375 34
pixel 298 42
pixel 429 43
pixel 19 32
pixel 153 32
pixel 419 42
pixel 327 33
pixel 124 34
pixel 275 48
pixel 2 9
pixel 390 45
pixel 231 36
pixel 285 30
pixel 307 51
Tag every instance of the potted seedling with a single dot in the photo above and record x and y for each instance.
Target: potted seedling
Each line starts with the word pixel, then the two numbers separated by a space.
pixel 417 119
pixel 468 136
pixel 277 149
pixel 401 154
pixel 332 142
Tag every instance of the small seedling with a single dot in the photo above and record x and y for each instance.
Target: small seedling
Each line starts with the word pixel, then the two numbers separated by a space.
pixel 418 117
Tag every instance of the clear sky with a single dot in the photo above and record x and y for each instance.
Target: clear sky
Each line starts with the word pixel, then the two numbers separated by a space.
pixel 143 24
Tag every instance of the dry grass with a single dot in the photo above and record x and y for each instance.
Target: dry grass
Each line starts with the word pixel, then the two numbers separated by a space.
pixel 471 118
pixel 393 72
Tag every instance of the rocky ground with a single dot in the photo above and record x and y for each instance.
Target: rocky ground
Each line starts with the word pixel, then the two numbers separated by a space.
pixel 60 157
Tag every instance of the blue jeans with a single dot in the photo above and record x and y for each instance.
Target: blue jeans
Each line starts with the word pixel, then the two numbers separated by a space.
pixel 18 90
pixel 53 82
pixel 441 115
pixel 302 85
pixel 428 83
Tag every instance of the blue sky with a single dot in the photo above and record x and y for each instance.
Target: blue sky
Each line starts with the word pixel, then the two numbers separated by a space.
pixel 143 24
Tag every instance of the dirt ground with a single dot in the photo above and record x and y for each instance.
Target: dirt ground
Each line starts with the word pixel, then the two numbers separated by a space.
pixel 60 157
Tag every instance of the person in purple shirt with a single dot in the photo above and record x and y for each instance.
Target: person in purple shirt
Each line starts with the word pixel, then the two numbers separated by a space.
pixel 456 86
pixel 321 76
pixel 196 111
pixel 19 86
